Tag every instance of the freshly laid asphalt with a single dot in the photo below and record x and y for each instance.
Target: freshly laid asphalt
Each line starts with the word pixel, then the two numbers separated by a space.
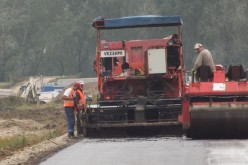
pixel 152 150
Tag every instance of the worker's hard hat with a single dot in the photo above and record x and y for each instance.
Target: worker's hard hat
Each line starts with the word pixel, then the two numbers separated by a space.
pixel 77 84
pixel 197 46
pixel 81 82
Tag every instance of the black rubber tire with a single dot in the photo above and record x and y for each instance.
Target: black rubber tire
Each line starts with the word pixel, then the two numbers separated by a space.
pixel 188 133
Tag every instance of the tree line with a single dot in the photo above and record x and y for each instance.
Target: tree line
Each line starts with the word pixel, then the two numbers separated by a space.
pixel 45 37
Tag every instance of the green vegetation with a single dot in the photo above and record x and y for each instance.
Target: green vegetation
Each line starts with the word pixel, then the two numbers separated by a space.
pixel 13 142
pixel 20 141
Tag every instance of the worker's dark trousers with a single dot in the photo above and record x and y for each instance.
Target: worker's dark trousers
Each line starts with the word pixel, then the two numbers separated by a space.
pixel 69 111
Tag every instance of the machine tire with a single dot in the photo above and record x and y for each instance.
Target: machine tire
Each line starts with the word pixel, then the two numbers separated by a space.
pixel 188 133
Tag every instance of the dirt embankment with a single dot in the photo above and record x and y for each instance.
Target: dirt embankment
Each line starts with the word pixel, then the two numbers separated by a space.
pixel 35 154
pixel 40 128
pixel 24 125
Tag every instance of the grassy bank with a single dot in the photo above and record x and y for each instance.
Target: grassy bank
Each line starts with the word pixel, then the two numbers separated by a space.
pixel 25 124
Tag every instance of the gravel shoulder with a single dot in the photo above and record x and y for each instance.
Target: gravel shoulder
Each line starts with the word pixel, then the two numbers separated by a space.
pixel 39 152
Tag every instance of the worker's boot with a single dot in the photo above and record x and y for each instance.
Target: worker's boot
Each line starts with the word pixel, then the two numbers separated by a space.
pixel 71 135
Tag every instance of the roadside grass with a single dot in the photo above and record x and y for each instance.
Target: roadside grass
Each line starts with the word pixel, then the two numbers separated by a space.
pixel 13 102
pixel 13 142
pixel 18 103
pixel 4 85
pixel 12 82
pixel 20 141
pixel 50 116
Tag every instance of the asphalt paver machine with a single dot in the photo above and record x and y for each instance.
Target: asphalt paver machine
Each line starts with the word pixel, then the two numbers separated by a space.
pixel 140 82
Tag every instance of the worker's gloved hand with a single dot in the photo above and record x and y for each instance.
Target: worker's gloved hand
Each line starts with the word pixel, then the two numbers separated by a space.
pixel 83 111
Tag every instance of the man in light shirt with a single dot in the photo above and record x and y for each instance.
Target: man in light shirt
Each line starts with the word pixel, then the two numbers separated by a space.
pixel 204 58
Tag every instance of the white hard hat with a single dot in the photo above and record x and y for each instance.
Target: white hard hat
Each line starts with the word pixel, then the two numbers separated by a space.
pixel 81 82
pixel 197 46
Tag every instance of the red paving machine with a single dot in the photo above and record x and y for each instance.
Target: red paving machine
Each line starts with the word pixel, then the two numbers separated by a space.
pixel 217 107
pixel 140 82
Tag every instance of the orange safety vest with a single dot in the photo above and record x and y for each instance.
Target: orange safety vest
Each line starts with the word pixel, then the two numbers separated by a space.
pixel 81 103
pixel 69 103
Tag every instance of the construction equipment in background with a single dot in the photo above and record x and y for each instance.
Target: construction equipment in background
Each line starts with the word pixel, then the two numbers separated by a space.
pixel 29 91
pixel 140 82
pixel 217 107
pixel 41 93
pixel 49 92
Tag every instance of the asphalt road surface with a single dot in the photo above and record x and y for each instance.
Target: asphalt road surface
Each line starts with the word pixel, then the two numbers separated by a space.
pixel 153 151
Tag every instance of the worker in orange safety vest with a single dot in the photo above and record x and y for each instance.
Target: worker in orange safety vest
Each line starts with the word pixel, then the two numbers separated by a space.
pixel 80 98
pixel 69 106
pixel 80 106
